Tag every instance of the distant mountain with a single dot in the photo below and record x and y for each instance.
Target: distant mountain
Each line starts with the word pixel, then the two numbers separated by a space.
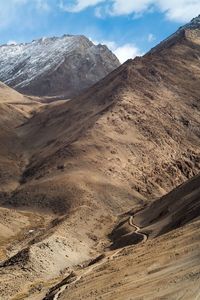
pixel 55 66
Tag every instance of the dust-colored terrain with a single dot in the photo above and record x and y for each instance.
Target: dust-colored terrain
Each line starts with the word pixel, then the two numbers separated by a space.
pixel 167 267
pixel 69 169
pixel 152 267
pixel 96 145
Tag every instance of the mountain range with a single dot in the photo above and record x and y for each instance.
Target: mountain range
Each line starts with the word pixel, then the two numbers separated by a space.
pixel 100 193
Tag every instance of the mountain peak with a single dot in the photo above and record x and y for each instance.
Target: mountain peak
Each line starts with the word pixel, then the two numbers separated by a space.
pixel 194 24
pixel 55 66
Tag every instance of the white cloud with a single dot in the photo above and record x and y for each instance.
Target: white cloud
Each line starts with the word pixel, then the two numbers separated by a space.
pixel 121 7
pixel 180 10
pixel 175 10
pixel 151 37
pixel 123 52
pixel 127 51
pixel 11 43
pixel 110 44
pixel 12 11
pixel 78 5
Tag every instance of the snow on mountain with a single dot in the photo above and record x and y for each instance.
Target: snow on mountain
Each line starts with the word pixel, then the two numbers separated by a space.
pixel 55 66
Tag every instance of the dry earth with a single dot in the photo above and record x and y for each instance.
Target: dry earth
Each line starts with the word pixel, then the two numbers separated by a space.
pixel 69 169
pixel 158 267
pixel 167 267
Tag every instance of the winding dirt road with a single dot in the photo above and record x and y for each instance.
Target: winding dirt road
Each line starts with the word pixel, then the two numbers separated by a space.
pixel 105 259
pixel 137 230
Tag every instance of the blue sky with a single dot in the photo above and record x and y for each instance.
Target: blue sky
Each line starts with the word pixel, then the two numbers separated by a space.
pixel 128 27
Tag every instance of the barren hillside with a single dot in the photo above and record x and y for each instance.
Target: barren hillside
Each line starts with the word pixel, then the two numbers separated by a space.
pixel 71 171
pixel 134 134
pixel 165 267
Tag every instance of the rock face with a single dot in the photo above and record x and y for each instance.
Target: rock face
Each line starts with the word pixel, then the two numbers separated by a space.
pixel 55 66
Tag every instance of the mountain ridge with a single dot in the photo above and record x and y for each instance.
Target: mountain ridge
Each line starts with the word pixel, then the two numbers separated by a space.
pixel 145 103
pixel 82 178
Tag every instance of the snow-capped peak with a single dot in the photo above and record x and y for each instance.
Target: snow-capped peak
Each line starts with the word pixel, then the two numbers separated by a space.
pixel 23 64
pixel 34 57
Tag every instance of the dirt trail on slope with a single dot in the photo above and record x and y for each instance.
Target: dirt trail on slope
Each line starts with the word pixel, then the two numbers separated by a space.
pixel 102 259
pixel 137 229
pixel 162 268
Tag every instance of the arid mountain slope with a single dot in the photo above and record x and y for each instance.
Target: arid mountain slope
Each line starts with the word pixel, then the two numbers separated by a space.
pixel 127 140
pixel 9 95
pixel 15 110
pixel 172 210
pixel 135 134
pixel 165 267
pixel 60 67
pixel 37 245
pixel 14 226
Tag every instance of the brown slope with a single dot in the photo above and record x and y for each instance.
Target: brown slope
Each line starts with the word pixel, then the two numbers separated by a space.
pixel 171 211
pixel 9 95
pixel 15 110
pixel 11 150
pixel 41 242
pixel 134 134
pixel 165 267
pixel 55 140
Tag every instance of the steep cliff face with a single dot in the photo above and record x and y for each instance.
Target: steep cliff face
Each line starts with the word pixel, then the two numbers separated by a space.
pixel 55 66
